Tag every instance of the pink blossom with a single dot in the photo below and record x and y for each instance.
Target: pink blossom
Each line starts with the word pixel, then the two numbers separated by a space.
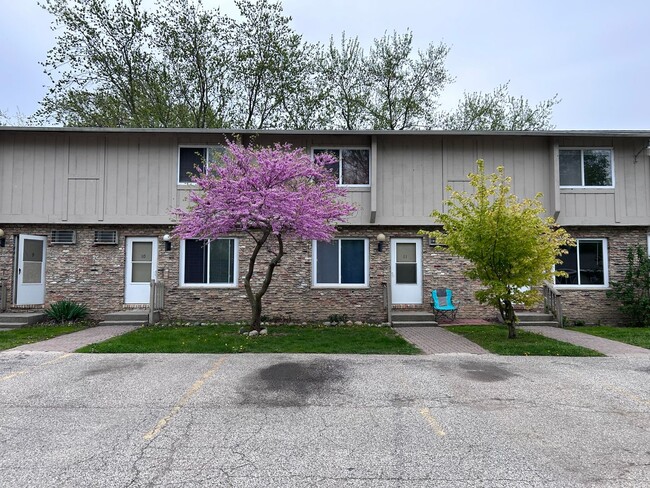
pixel 275 188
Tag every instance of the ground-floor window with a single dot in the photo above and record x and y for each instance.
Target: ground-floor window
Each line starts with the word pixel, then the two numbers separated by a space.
pixel 340 262
pixel 209 262
pixel 585 264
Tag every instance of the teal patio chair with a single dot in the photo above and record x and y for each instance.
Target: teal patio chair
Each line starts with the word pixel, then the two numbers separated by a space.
pixel 443 305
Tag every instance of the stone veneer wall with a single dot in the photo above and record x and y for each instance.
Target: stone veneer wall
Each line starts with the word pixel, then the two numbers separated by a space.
pixel 94 275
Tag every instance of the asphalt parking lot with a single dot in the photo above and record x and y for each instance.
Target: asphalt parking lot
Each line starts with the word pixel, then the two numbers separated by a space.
pixel 322 420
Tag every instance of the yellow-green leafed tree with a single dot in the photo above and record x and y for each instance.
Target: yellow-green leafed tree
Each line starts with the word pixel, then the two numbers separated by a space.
pixel 512 248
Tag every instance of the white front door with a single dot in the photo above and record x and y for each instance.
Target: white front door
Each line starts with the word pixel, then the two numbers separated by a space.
pixel 30 274
pixel 406 270
pixel 141 268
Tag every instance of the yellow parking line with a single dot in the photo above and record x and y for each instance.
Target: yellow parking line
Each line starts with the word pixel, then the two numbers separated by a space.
pixel 433 423
pixel 13 375
pixel 25 371
pixel 628 394
pixel 184 399
pixel 59 358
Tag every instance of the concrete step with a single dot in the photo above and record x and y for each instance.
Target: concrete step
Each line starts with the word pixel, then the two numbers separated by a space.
pixel 123 322
pixel 128 317
pixel 12 320
pixel 412 316
pixel 417 323
pixel 537 323
pixel 535 317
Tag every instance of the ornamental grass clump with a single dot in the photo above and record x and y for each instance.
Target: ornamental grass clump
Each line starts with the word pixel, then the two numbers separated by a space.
pixel 66 311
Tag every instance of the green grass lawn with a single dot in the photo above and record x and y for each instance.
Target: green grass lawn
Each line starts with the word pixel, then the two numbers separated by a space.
pixel 637 336
pixel 281 338
pixel 494 338
pixel 35 333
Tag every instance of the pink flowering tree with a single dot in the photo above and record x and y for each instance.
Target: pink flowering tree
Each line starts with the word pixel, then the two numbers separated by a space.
pixel 271 193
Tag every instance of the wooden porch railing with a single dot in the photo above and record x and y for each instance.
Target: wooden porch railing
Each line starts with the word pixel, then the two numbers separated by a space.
pixel 156 299
pixel 388 302
pixel 553 302
pixel 4 293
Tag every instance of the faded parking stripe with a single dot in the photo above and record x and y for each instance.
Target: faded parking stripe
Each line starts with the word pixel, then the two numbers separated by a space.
pixel 184 399
pixel 25 371
pixel 433 423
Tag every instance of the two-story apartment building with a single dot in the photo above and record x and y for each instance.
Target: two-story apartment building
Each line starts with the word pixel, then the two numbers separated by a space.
pixel 85 212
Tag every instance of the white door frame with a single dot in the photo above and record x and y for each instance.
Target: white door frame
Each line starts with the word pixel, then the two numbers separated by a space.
pixel 410 293
pixel 139 292
pixel 30 278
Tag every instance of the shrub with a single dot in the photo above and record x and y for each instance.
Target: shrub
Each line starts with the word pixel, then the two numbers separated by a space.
pixel 633 292
pixel 336 318
pixel 66 311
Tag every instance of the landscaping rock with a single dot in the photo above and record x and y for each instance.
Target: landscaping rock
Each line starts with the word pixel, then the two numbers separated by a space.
pixel 253 333
pixel 242 330
pixel 264 332
pixel 358 322
pixel 349 322
pixel 327 324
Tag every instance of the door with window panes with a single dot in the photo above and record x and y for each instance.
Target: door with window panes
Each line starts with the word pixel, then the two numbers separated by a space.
pixel 141 268
pixel 406 271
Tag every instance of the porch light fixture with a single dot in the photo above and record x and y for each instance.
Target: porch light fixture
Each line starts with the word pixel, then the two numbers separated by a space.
pixel 646 149
pixel 2 238
pixel 168 242
pixel 381 238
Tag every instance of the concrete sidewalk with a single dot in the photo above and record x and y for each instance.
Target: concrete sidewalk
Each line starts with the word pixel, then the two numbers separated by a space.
pixel 604 346
pixel 437 340
pixel 73 341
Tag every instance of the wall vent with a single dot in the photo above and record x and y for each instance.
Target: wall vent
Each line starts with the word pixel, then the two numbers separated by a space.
pixel 105 237
pixel 63 237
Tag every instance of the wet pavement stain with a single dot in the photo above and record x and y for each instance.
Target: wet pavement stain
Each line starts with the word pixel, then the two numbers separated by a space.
pixel 292 384
pixel 112 368
pixel 485 372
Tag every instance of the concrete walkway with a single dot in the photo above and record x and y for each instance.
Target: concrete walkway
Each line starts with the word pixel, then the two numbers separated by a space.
pixel 73 341
pixel 604 346
pixel 437 340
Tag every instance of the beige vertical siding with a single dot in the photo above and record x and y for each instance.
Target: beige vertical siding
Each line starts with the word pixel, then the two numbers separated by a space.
pixel 142 180
pixel 415 171
pixel 409 179
pixel 113 177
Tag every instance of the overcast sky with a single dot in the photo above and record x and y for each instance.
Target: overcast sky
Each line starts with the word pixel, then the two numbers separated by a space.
pixel 594 54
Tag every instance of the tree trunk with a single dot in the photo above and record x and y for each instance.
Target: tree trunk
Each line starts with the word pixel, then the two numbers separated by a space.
pixel 509 318
pixel 255 299
pixel 256 322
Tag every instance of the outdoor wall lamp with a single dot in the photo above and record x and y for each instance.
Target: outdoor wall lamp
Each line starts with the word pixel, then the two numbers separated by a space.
pixel 2 238
pixel 168 242
pixel 381 238
pixel 646 149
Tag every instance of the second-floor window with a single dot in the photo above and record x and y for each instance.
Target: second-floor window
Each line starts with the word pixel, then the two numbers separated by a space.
pixel 191 158
pixel 352 166
pixel 586 168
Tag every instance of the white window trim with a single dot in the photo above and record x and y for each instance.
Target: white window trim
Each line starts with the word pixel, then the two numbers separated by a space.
pixel 181 269
pixel 178 160
pixel 582 167
pixel 366 265
pixel 590 286
pixel 341 149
